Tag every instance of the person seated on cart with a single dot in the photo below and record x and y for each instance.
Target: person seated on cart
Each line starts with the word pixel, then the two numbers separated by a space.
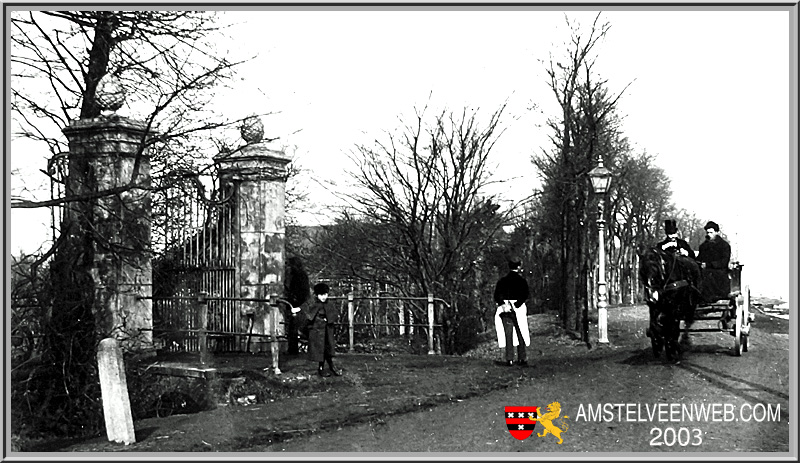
pixel 714 256
pixel 674 244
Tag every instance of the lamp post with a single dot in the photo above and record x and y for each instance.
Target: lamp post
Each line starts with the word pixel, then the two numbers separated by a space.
pixel 601 178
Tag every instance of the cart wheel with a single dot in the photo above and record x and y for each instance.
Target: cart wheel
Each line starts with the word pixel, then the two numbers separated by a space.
pixel 748 316
pixel 739 340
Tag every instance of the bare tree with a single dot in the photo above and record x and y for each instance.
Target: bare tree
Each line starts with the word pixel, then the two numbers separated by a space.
pixel 585 129
pixel 168 62
pixel 638 203
pixel 419 216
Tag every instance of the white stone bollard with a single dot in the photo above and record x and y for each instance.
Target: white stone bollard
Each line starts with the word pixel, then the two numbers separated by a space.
pixel 114 389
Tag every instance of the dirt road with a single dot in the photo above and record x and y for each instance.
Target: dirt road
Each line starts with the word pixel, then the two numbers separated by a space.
pixel 748 398
pixel 614 398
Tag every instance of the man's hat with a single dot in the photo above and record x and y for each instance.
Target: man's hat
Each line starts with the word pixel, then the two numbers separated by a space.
pixel 670 226
pixel 711 224
pixel 321 288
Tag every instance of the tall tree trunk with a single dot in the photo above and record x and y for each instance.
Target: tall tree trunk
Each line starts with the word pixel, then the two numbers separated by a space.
pixel 564 292
pixel 70 334
pixel 573 265
pixel 98 62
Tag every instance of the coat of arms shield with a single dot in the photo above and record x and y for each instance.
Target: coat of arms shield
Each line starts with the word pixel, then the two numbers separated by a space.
pixel 521 421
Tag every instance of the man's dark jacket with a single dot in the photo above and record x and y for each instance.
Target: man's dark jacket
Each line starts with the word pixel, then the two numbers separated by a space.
pixel 716 283
pixel 511 286
pixel 674 245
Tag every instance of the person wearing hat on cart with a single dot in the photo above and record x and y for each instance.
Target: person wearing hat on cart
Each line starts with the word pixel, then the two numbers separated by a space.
pixel 321 317
pixel 672 243
pixel 682 250
pixel 714 256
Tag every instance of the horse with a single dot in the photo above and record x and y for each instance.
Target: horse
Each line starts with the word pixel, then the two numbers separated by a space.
pixel 671 283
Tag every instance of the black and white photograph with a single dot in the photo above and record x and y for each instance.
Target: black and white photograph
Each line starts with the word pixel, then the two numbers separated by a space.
pixel 367 231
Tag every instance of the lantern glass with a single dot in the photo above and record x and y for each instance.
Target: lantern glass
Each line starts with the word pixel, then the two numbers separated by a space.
pixel 601 178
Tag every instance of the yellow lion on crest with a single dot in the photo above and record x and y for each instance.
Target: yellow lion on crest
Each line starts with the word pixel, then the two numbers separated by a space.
pixel 553 412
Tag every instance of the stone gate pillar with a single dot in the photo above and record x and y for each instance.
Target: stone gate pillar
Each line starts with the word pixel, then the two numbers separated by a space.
pixel 121 269
pixel 256 176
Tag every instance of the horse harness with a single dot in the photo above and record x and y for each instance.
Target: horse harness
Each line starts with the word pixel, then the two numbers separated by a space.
pixel 667 287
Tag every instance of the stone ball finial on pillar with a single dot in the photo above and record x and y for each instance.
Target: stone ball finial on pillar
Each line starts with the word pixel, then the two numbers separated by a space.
pixel 252 129
pixel 110 94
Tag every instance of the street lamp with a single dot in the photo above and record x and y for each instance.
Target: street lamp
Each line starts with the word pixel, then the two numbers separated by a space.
pixel 601 178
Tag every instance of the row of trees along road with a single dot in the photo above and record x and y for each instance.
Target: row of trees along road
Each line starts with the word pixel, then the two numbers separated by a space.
pixel 419 222
pixel 560 230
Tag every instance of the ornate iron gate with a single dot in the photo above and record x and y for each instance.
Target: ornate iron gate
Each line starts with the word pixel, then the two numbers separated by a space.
pixel 197 252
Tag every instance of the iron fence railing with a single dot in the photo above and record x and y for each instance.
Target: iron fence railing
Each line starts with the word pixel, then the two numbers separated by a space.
pixel 190 320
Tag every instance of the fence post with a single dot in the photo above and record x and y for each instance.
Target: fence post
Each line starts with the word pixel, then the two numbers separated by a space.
pixel 411 320
pixel 383 307
pixel 273 333
pixel 401 317
pixel 430 324
pixel 202 307
pixel 350 327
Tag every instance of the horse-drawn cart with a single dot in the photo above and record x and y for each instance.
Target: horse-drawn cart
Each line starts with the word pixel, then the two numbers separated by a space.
pixel 672 290
pixel 732 315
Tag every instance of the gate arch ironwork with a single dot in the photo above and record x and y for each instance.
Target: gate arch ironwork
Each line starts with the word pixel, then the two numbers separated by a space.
pixel 196 253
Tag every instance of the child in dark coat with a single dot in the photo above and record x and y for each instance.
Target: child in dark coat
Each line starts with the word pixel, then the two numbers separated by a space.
pixel 321 317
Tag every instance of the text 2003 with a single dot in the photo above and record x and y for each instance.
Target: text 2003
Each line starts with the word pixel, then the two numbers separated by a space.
pixel 671 436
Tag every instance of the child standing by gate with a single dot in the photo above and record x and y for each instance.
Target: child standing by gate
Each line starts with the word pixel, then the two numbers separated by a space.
pixel 321 318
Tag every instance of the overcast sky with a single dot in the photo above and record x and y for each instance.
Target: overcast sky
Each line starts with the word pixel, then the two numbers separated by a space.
pixel 708 95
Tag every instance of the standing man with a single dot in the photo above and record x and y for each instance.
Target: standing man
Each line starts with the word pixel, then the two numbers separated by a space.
pixel 296 289
pixel 714 256
pixel 674 244
pixel 511 318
